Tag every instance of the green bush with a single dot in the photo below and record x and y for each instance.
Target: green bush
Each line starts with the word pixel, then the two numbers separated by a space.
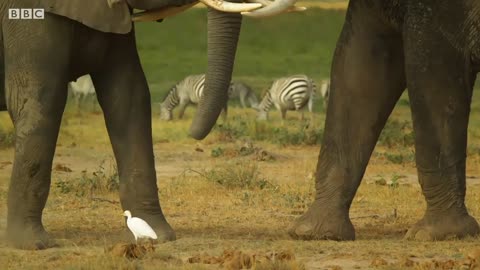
pixel 397 134
pixel 242 175
pixel 101 181
pixel 7 138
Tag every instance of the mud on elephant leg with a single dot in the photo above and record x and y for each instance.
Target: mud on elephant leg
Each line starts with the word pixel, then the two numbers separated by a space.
pixel 123 94
pixel 367 80
pixel 440 89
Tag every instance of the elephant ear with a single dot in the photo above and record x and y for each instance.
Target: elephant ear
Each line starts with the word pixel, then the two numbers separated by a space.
pixel 96 14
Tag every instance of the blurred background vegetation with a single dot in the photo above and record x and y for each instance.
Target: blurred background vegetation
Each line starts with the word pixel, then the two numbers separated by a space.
pixel 268 48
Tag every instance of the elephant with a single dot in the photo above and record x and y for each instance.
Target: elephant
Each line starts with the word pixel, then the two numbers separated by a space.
pixel 37 60
pixel 432 49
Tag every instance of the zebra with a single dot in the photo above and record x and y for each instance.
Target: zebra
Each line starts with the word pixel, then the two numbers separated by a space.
pixel 243 92
pixel 82 89
pixel 187 91
pixel 288 93
pixel 190 89
pixel 325 91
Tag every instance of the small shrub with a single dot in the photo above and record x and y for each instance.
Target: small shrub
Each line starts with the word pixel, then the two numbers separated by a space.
pixel 217 152
pixel 397 133
pixel 404 102
pixel 7 138
pixel 394 158
pixel 99 181
pixel 296 199
pixel 244 175
pixel 394 183
pixel 64 186
pixel 228 132
pixel 301 134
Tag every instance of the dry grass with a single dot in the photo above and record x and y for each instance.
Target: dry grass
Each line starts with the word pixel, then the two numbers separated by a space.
pixel 211 216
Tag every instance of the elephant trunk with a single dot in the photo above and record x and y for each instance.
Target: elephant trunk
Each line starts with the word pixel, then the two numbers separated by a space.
pixel 223 34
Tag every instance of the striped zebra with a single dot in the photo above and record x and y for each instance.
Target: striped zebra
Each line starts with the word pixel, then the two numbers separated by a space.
pixel 244 93
pixel 325 91
pixel 288 93
pixel 189 91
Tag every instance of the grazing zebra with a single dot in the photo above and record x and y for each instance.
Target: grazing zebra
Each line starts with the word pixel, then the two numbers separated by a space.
pixel 288 93
pixel 243 92
pixel 187 91
pixel 82 90
pixel 190 89
pixel 325 92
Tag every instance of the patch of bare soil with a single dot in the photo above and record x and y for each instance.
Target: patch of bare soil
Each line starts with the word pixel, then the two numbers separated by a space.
pixel 237 259
pixel 130 251
pixel 232 225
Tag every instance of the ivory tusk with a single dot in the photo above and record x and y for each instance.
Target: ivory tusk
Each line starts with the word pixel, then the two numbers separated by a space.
pixel 231 7
pixel 162 13
pixel 268 2
pixel 275 8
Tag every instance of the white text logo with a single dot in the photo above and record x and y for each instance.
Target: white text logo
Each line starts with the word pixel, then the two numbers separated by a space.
pixel 26 13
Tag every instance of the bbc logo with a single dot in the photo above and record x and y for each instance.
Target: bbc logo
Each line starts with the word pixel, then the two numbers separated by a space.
pixel 26 13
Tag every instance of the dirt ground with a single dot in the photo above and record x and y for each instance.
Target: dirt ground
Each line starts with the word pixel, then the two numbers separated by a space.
pixel 211 217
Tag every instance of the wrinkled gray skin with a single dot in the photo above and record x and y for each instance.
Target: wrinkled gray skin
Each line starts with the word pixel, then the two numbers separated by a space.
pixel 35 64
pixel 432 47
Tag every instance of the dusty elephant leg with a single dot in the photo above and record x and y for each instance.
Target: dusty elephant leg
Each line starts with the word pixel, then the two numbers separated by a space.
pixel 36 88
pixel 124 97
pixel 440 88
pixel 367 80
pixel 3 103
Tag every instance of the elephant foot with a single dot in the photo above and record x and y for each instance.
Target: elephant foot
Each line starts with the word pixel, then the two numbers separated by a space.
pixel 29 237
pixel 442 227
pixel 323 223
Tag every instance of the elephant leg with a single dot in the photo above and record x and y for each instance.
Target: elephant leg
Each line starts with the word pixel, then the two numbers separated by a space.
pixel 3 101
pixel 368 78
pixel 440 85
pixel 36 88
pixel 124 97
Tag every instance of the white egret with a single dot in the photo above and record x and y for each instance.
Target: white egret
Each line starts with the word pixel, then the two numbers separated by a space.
pixel 139 227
